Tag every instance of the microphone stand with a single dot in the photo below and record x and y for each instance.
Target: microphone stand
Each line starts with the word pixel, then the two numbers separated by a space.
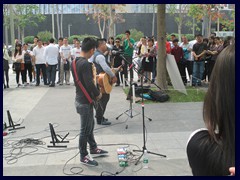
pixel 143 119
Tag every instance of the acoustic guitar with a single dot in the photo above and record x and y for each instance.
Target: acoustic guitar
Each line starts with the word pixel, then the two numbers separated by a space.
pixel 104 80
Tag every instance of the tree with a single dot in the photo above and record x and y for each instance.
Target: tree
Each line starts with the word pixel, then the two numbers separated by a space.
pixel 205 12
pixel 179 11
pixel 193 12
pixel 26 14
pixel 161 38
pixel 104 12
pixel 61 21
pixel 58 26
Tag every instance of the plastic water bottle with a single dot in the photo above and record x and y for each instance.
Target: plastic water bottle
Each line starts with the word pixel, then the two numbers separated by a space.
pixel 145 159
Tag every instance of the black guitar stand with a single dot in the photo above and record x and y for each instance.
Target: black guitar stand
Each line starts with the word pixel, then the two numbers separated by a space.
pixel 130 111
pixel 11 123
pixel 55 139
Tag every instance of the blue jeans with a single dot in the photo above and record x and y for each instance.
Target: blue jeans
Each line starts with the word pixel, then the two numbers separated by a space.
pixel 87 127
pixel 198 70
pixel 51 74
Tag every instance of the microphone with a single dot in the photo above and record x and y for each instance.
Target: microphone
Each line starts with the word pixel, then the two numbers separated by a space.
pixel 117 52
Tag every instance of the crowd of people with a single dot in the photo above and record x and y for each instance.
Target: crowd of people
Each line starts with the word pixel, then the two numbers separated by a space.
pixel 210 150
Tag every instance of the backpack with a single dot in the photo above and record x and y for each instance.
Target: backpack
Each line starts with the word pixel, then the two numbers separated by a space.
pixel 27 58
pixel 158 96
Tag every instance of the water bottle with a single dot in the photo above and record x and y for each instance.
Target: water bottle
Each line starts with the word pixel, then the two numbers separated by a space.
pixel 145 159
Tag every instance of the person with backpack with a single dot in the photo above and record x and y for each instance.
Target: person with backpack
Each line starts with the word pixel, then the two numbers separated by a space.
pixel 27 58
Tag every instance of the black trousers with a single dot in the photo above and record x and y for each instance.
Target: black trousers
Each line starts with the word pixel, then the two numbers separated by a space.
pixel 101 107
pixel 43 68
pixel 6 76
pixel 28 67
pixel 181 68
pixel 22 75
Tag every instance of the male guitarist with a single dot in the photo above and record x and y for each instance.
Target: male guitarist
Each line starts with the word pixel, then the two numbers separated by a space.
pixel 102 65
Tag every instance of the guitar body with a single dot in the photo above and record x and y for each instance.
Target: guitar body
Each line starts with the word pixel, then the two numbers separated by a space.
pixel 104 82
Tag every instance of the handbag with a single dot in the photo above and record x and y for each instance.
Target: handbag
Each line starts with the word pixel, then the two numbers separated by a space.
pixel 66 66
pixel 16 66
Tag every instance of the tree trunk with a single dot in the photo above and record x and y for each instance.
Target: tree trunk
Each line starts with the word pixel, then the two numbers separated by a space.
pixel 161 38
pixel 100 28
pixel 12 28
pixel 153 20
pixel 193 27
pixel 61 34
pixel 19 35
pixel 180 32
pixel 53 30
pixel 209 25
pixel 22 35
pixel 6 36
pixel 58 27
pixel 111 24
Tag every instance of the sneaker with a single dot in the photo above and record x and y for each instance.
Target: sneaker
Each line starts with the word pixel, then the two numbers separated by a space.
pixel 98 151
pixel 87 160
pixel 104 122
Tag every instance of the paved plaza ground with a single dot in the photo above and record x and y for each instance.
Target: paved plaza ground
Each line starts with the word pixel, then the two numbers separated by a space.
pixel 36 107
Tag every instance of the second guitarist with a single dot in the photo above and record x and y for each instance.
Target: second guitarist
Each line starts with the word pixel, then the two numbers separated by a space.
pixel 102 65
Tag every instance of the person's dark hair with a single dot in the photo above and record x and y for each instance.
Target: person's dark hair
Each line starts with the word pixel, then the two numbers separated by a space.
pixel 112 38
pixel 88 44
pixel 100 41
pixel 199 35
pixel 75 38
pixel 227 41
pixel 118 39
pixel 51 40
pixel 213 33
pixel 36 37
pixel 60 39
pixel 25 44
pixel 205 40
pixel 39 40
pixel 173 35
pixel 16 51
pixel 219 111
pixel 175 40
pixel 127 31
pixel 152 40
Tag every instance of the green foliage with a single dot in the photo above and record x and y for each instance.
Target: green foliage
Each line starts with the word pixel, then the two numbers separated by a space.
pixel 190 37
pixel 80 37
pixel 45 36
pixel 24 15
pixel 29 39
pixel 121 36
pixel 136 35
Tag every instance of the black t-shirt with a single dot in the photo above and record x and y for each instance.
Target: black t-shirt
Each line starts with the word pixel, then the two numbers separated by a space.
pixel 85 76
pixel 205 155
pixel 199 48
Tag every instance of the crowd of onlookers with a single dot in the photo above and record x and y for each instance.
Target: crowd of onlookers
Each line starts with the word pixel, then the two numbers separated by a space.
pixel 41 61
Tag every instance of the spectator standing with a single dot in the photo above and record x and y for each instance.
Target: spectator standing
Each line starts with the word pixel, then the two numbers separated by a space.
pixel 18 58
pixel 40 62
pixel 65 51
pixel 27 57
pixel 128 52
pixel 6 59
pixel 51 56
pixel 199 50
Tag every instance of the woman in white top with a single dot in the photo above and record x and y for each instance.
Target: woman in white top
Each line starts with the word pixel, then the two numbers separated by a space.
pixel 18 64
pixel 5 66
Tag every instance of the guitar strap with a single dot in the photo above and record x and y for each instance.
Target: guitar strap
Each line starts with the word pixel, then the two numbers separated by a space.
pixel 80 84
